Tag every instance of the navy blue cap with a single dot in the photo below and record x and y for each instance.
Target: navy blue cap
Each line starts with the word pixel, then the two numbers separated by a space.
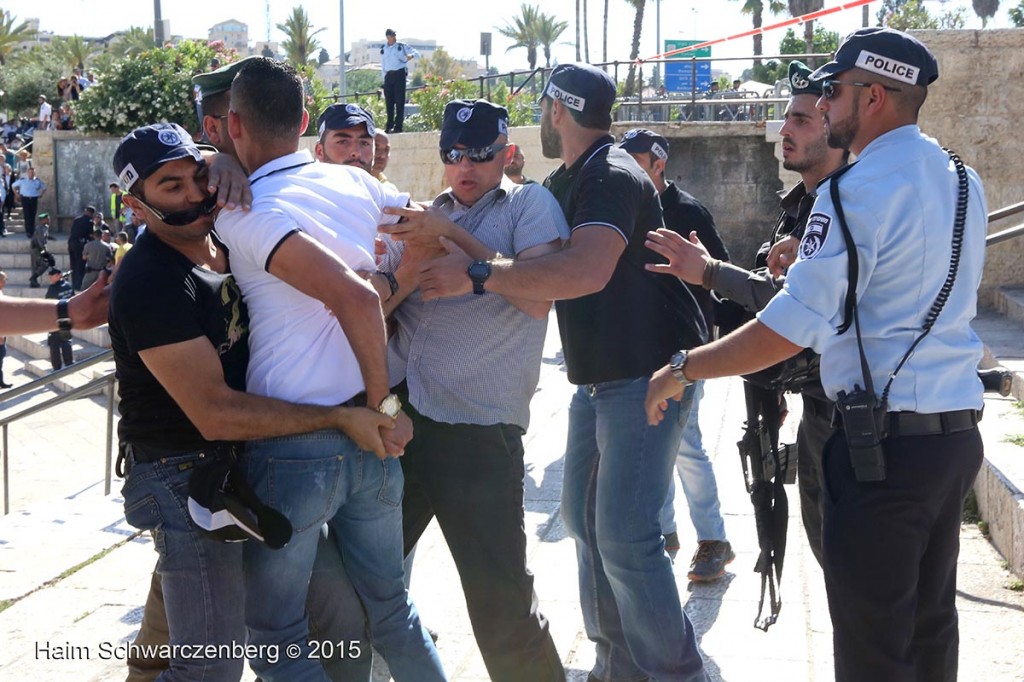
pixel 390 32
pixel 642 140
pixel 145 149
pixel 800 82
pixel 473 123
pixel 342 116
pixel 583 88
pixel 884 51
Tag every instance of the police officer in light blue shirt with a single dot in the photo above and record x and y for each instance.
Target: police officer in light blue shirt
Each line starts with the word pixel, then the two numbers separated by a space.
pixel 29 189
pixel 394 67
pixel 896 478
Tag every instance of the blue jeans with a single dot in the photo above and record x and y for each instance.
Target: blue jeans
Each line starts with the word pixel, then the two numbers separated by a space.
pixel 616 467
pixel 317 478
pixel 697 476
pixel 201 578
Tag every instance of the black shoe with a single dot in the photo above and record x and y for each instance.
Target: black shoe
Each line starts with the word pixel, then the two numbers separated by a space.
pixel 3 385
pixel 33 284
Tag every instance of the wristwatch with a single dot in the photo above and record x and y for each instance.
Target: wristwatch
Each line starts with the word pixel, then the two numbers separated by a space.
pixel 63 318
pixel 391 406
pixel 479 271
pixel 677 364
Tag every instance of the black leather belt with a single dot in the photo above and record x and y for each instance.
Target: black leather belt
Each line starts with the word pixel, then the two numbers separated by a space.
pixel 916 424
pixel 358 400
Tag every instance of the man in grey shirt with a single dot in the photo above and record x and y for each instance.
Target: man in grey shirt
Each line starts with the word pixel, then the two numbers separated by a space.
pixel 96 254
pixel 471 364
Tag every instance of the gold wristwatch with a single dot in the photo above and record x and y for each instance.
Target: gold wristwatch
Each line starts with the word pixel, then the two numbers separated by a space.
pixel 391 406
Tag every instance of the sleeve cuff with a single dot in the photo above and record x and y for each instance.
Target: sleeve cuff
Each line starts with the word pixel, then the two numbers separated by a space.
pixel 793 321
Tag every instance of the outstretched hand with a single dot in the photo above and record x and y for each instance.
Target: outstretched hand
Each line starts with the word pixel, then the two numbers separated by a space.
pixel 446 276
pixel 687 258
pixel 782 255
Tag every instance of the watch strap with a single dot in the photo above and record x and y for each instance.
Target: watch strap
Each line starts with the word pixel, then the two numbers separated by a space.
pixel 63 318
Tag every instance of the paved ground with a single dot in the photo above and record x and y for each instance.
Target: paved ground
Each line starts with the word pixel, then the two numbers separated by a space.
pixel 61 520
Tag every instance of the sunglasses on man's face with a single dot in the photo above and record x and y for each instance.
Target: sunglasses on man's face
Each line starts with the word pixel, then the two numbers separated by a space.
pixel 828 88
pixel 450 157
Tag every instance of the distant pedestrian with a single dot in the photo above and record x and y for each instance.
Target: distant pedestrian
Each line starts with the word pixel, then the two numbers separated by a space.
pixel 394 66
pixel 29 189
pixel 81 228
pixel 42 260
pixel 3 339
pixel 97 254
pixel 61 353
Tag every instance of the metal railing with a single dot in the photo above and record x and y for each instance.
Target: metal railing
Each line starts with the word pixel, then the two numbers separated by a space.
pixel 91 387
pixel 1010 232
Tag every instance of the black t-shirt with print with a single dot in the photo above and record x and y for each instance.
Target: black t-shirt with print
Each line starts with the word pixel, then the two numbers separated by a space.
pixel 632 326
pixel 160 297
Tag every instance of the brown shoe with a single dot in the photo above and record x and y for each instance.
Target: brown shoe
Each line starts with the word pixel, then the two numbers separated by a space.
pixel 709 560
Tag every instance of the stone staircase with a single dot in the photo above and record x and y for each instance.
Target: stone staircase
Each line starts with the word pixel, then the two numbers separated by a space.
pixel 1000 485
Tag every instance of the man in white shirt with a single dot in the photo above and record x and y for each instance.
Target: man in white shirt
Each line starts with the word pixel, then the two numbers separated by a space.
pixel 45 113
pixel 317 336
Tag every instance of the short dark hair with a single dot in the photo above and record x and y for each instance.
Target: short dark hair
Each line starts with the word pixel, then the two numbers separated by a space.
pixel 269 97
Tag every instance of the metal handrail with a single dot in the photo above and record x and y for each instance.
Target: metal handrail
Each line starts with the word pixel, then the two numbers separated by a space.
pixel 1010 232
pixel 86 389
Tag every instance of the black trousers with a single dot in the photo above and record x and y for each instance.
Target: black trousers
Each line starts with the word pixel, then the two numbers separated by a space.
pixel 890 550
pixel 3 354
pixel 29 206
pixel 60 348
pixel 812 434
pixel 394 99
pixel 75 249
pixel 471 478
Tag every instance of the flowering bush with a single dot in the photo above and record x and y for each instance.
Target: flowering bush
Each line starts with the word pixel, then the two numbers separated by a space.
pixel 432 100
pixel 155 86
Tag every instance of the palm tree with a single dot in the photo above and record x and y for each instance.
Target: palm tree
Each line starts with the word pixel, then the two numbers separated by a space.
pixel 638 24
pixel 986 9
pixel 133 42
pixel 799 8
pixel 300 42
pixel 523 31
pixel 549 30
pixel 755 8
pixel 74 51
pixel 11 34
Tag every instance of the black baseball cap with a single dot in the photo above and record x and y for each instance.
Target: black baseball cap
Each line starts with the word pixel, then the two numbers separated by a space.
pixel 54 271
pixel 473 123
pixel 885 51
pixel 586 89
pixel 342 116
pixel 142 151
pixel 800 82
pixel 641 141
pixel 224 507
pixel 390 32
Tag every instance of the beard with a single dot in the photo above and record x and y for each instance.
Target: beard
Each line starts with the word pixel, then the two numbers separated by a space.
pixel 813 154
pixel 550 141
pixel 841 134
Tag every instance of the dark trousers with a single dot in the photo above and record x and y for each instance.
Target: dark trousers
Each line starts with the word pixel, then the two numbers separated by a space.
pixel 75 248
pixel 890 550
pixel 29 206
pixel 471 478
pixel 3 354
pixel 394 99
pixel 60 348
pixel 812 434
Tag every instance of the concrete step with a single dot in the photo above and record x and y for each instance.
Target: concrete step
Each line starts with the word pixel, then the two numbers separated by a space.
pixel 35 346
pixel 18 244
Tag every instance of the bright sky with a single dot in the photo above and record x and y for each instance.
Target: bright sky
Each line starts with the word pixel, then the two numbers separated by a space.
pixel 458 30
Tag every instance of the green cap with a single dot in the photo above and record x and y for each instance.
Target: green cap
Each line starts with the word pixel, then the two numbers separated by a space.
pixel 220 80
pixel 43 215
pixel 800 82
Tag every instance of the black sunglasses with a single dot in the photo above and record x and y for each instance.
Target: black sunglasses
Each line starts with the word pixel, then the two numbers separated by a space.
pixel 828 87
pixel 182 218
pixel 450 157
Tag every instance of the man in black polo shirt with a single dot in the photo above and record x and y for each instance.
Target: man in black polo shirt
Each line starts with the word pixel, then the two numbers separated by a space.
pixel 615 319
pixel 79 234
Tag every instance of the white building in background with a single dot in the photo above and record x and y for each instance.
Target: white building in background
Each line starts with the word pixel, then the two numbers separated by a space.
pixel 234 33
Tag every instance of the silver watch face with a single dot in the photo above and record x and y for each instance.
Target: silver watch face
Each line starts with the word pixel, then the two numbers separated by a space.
pixel 677 360
pixel 391 406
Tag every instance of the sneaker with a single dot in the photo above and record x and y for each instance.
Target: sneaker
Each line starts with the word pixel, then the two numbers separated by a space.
pixel 709 560
pixel 672 545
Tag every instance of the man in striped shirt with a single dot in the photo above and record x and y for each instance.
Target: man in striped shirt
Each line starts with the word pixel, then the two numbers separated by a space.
pixel 470 365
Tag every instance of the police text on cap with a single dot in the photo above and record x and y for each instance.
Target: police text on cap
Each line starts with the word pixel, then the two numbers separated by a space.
pixel 885 66
pixel 567 98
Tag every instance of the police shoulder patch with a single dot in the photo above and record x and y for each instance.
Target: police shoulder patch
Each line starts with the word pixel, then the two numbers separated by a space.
pixel 814 235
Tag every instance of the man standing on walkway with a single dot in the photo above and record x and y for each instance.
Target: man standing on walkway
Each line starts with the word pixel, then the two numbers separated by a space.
pixel 78 236
pixel 61 353
pixel 29 189
pixel 615 320
pixel 317 337
pixel 469 387
pixel 804 150
pixel 97 255
pixel 897 477
pixel 394 68
pixel 683 213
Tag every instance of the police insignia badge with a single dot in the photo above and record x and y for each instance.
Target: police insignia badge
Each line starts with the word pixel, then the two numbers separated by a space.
pixel 169 138
pixel 351 109
pixel 798 82
pixel 464 114
pixel 814 235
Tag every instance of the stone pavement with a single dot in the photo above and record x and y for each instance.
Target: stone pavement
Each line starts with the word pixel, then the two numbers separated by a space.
pixel 78 575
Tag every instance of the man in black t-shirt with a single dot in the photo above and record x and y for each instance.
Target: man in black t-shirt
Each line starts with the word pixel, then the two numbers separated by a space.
pixel 79 234
pixel 178 328
pixel 684 214
pixel 617 320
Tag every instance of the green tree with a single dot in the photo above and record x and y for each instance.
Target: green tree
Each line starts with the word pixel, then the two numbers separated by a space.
pixel 549 30
pixel 154 86
pixel 22 80
pixel 953 19
pixel 11 33
pixel 441 65
pixel 300 39
pixel 634 52
pixel 1017 15
pixel 432 100
pixel 362 80
pixel 133 42
pixel 798 8
pixel 522 30
pixel 905 15
pixel 756 8
pixel 986 9
pixel 824 41
pixel 74 51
